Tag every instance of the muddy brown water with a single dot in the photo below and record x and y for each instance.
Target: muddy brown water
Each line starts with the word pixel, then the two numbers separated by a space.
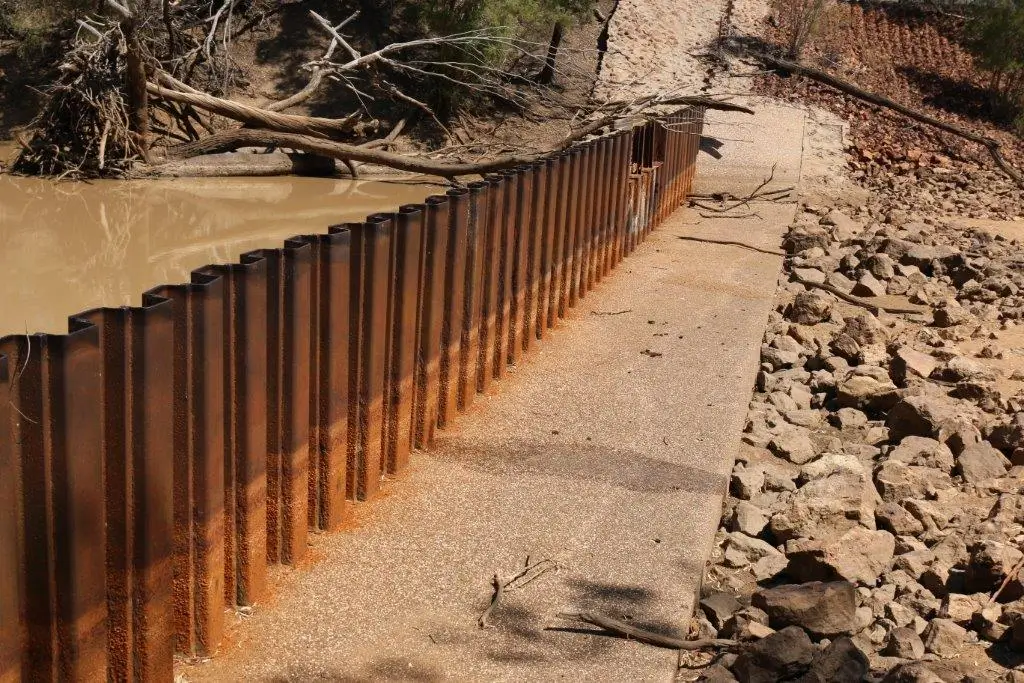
pixel 66 246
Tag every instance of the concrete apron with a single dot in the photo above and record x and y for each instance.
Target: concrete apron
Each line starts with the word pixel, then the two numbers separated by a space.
pixel 607 451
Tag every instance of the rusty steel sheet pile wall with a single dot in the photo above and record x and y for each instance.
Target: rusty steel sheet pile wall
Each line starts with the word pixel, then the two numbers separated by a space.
pixel 155 460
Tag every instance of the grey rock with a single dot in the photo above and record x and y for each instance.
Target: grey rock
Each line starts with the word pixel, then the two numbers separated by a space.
pixel 742 550
pixel 841 661
pixel 924 451
pixel 944 638
pixel 718 607
pixel 865 329
pixel 716 673
pixel 990 563
pixel 810 274
pixel 951 314
pixel 880 265
pixel 859 556
pixel 746 483
pixel 736 626
pixel 769 567
pixel 868 286
pixel 793 444
pixel 749 519
pixel 923 415
pixel 912 672
pixel 782 655
pixel 894 518
pixel 908 362
pixel 801 238
pixel 840 282
pixel 961 608
pixel 829 464
pixel 981 461
pixel 848 418
pixel 810 308
pixel 904 643
pixel 866 393
pixel 827 507
pixel 897 481
pixel 823 609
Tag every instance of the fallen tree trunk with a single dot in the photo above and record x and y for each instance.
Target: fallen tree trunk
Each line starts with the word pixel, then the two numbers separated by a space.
pixel 230 140
pixel 256 117
pixel 991 145
pixel 231 165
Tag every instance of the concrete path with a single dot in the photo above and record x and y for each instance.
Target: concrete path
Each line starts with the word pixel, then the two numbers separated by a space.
pixel 608 460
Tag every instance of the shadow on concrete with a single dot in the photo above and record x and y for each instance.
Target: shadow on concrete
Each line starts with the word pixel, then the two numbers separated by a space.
pixel 623 468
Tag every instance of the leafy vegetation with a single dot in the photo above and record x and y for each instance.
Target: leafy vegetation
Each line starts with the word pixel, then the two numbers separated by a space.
pixel 995 35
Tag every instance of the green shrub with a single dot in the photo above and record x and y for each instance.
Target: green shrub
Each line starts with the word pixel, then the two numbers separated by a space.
pixel 995 36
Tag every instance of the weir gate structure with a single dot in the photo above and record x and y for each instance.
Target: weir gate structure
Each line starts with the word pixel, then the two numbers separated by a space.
pixel 155 460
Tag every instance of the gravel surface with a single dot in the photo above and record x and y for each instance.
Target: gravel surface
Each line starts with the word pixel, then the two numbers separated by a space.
pixel 656 46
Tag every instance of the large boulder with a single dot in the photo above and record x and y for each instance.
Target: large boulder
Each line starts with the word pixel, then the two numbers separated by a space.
pixel 823 609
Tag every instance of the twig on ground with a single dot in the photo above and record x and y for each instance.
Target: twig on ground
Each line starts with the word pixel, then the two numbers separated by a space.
pixel 856 300
pixel 770 252
pixel 624 310
pixel 723 215
pixel 529 574
pixel 645 636
pixel 499 589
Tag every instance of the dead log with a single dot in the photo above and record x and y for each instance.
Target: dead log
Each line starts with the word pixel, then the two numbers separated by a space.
pixel 993 146
pixel 648 637
pixel 256 117
pixel 227 141
pixel 231 165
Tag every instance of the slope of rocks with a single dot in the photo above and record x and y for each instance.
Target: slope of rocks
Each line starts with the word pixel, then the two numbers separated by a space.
pixel 875 521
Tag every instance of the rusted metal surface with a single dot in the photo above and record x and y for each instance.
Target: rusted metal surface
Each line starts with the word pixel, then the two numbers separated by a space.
pixel 155 460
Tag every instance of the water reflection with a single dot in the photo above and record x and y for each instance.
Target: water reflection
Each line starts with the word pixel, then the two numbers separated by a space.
pixel 67 247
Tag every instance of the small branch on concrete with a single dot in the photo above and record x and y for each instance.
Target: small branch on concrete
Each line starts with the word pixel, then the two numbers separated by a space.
pixel 647 637
pixel 731 243
pixel 529 574
pixel 499 590
pixel 739 215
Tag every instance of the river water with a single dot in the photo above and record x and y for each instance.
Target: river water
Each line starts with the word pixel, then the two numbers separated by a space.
pixel 70 246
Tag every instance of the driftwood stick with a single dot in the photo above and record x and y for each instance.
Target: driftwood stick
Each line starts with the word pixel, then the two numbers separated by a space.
pixel 648 637
pixel 993 146
pixel 732 243
pixel 856 300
